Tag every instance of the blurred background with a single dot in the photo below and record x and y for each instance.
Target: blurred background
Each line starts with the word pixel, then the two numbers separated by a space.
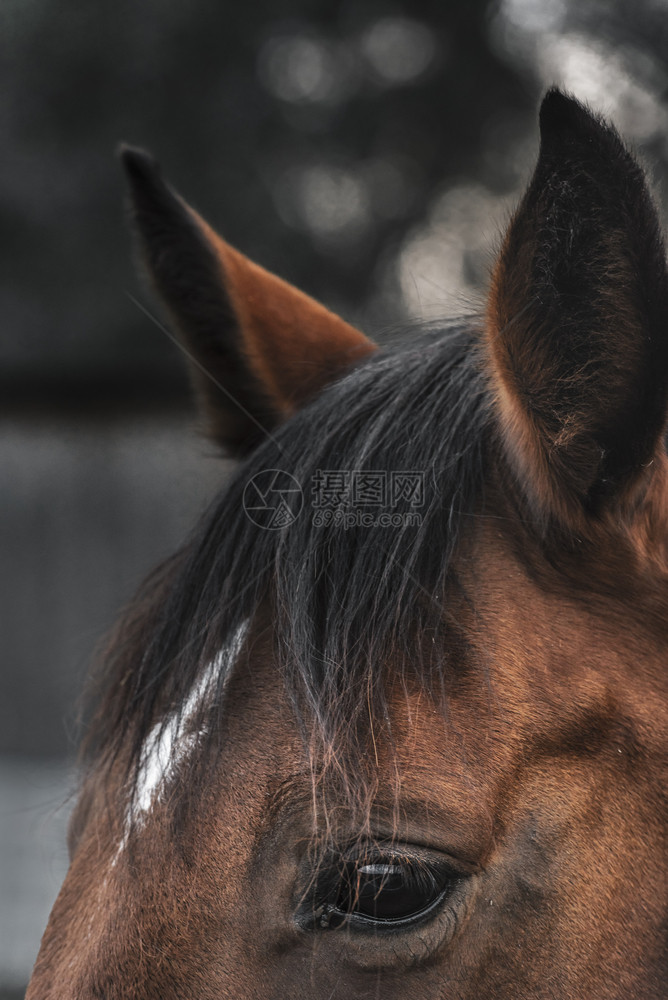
pixel 369 152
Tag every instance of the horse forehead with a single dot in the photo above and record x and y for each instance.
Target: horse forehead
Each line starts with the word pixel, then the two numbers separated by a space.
pixel 567 648
pixel 536 658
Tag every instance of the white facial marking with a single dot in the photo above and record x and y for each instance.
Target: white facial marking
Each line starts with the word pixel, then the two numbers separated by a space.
pixel 170 742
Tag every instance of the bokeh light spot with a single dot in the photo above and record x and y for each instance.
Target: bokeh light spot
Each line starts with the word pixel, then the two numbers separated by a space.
pixel 329 202
pixel 399 49
pixel 304 69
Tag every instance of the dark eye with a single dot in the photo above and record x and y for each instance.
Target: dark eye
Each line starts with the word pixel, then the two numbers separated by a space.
pixel 381 889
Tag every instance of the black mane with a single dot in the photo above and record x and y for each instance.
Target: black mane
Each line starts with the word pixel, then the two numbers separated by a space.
pixel 343 600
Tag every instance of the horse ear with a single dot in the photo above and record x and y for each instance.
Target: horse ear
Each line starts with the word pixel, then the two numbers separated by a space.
pixel 576 335
pixel 259 348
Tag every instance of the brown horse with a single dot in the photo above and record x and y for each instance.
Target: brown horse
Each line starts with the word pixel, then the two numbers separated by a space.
pixel 394 722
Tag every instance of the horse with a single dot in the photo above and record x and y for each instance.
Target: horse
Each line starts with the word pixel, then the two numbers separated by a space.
pixel 392 723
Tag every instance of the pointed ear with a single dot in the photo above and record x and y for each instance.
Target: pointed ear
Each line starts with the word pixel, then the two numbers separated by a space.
pixel 577 336
pixel 259 348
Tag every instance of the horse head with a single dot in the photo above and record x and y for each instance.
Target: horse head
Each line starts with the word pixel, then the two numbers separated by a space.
pixel 393 722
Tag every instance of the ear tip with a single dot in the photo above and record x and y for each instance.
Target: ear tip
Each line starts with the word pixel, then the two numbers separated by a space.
pixel 561 112
pixel 139 166
pixel 567 123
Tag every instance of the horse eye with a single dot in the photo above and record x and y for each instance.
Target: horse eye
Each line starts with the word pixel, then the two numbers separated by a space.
pixel 384 891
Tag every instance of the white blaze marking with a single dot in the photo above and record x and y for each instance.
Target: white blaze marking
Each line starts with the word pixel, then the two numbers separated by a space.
pixel 171 741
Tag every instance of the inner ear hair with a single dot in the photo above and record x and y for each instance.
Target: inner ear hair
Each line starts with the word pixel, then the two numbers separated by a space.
pixel 576 339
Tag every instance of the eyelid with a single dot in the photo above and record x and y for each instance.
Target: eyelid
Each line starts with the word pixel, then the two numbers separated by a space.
pixel 400 854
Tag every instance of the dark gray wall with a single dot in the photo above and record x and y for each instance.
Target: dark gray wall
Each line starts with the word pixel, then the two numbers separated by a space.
pixel 86 510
